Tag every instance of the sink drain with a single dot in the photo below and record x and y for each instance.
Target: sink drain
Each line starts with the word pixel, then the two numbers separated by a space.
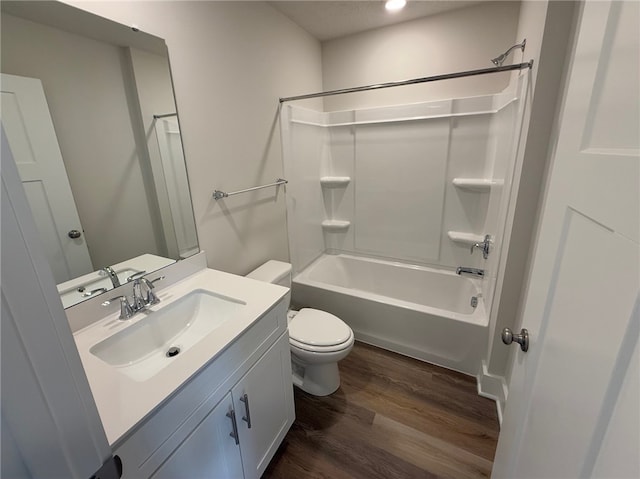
pixel 173 351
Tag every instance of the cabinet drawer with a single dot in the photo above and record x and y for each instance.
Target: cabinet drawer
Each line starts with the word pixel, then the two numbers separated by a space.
pixel 149 444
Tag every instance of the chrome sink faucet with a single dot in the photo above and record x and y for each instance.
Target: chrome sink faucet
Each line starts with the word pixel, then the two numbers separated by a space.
pixel 143 296
pixel 472 271
pixel 112 276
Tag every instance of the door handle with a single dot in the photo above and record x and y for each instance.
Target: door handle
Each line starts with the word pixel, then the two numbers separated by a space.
pixel 74 234
pixel 522 339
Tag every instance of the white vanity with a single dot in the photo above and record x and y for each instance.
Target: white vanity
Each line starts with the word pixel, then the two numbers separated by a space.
pixel 222 405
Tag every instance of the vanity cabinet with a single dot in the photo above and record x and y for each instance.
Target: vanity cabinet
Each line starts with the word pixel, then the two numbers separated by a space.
pixel 226 422
pixel 263 402
pixel 208 451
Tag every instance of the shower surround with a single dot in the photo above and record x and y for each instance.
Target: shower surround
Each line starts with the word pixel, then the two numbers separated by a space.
pixel 388 200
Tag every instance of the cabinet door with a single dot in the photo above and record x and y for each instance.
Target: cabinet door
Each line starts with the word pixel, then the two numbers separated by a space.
pixel 209 451
pixel 263 399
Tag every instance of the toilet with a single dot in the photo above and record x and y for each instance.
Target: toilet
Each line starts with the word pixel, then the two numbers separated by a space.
pixel 318 339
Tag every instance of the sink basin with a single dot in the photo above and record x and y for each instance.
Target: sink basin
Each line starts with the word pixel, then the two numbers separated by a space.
pixel 141 349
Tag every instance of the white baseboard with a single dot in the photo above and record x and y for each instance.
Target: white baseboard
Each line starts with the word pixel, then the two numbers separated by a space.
pixel 493 387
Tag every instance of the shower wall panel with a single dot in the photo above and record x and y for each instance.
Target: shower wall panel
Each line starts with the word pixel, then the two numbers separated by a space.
pixel 399 194
pixel 305 148
pixel 409 183
pixel 339 202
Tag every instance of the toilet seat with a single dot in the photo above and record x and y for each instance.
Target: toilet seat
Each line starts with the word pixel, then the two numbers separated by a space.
pixel 322 349
pixel 319 331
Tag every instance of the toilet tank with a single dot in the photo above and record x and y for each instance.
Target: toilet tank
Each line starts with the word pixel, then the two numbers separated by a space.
pixel 276 272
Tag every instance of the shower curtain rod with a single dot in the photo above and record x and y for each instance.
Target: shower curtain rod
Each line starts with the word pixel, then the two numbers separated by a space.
pixel 413 81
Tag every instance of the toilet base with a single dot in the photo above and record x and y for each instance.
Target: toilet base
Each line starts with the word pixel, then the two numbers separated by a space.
pixel 317 380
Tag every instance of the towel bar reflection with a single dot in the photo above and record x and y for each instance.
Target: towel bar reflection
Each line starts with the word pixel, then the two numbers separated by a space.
pixel 218 195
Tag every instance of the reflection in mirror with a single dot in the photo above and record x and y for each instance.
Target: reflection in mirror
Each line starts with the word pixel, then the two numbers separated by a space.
pixel 89 111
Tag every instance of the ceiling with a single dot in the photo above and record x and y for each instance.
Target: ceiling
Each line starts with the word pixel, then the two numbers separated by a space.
pixel 328 19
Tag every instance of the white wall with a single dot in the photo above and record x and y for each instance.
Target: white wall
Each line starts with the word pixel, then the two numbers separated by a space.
pixel 548 28
pixel 460 40
pixel 230 62
pixel 94 133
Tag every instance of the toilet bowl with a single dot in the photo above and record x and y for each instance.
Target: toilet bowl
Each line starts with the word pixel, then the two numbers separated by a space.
pixel 318 340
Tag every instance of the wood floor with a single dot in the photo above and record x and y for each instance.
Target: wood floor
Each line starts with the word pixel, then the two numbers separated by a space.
pixel 393 417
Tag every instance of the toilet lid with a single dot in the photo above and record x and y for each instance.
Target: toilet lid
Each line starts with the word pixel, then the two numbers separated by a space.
pixel 318 328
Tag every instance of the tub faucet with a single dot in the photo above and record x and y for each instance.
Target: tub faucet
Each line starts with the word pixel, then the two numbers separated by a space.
pixel 484 246
pixel 112 276
pixel 472 271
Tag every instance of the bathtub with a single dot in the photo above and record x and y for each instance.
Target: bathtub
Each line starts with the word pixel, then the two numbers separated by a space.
pixel 418 311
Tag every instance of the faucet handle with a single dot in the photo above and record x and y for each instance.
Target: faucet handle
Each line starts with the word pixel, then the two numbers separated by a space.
pixel 88 294
pixel 484 246
pixel 126 310
pixel 149 283
pixel 151 298
pixel 137 275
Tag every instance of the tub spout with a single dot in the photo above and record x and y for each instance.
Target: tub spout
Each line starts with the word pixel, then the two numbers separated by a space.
pixel 472 271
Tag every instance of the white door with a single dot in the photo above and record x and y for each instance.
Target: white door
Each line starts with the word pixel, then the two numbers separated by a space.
pixel 50 423
pixel 572 409
pixel 32 139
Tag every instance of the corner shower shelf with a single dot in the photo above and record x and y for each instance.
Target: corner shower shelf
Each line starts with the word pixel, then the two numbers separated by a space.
pixel 464 238
pixel 474 184
pixel 335 181
pixel 335 226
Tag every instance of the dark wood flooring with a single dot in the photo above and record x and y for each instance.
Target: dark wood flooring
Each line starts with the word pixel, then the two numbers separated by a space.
pixel 393 417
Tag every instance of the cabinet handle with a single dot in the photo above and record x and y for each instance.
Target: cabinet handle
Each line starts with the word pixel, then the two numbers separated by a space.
pixel 247 418
pixel 234 434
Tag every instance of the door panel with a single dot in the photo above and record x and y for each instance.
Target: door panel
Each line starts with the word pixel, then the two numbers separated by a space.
pixel 33 142
pixel 270 395
pixel 585 277
pixel 208 452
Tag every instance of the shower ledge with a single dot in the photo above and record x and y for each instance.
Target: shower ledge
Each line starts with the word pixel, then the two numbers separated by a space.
pixel 465 238
pixel 476 184
pixel 335 226
pixel 334 181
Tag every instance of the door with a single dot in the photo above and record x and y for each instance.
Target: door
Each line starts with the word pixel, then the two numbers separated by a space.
pixel 50 423
pixel 572 409
pixel 209 451
pixel 32 139
pixel 263 401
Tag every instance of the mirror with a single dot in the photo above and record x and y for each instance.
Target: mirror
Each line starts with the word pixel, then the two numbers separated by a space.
pixel 89 111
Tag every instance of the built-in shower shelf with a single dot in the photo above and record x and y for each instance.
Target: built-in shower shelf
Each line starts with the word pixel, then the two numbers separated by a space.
pixel 335 226
pixel 464 238
pixel 474 184
pixel 334 181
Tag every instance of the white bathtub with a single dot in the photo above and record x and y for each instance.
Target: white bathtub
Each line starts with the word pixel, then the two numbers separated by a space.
pixel 422 312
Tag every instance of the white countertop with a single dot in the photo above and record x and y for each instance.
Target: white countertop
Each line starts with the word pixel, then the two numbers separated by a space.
pixel 122 401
